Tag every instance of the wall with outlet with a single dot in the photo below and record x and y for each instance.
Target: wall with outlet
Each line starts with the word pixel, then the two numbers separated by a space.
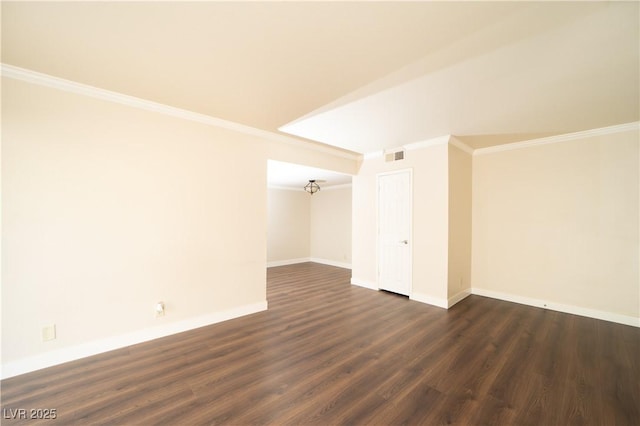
pixel 108 209
pixel 557 224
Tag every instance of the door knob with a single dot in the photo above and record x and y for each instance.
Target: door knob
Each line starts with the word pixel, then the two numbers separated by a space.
pixel 404 242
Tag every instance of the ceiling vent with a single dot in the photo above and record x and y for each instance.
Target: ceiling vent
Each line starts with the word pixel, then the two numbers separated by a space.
pixel 396 155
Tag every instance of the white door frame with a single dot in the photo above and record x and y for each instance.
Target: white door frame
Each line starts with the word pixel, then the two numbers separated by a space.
pixel 378 176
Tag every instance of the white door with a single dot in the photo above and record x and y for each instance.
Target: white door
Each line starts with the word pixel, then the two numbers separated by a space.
pixel 394 232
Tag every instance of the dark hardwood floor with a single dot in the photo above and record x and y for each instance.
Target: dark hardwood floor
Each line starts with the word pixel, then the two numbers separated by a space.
pixel 328 353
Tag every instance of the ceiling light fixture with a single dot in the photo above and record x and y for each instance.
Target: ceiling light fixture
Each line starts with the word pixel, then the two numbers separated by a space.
pixel 312 187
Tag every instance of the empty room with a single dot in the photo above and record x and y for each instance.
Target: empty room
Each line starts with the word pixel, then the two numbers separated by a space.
pixel 282 212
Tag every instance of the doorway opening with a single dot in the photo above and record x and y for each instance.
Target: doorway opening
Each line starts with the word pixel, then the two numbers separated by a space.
pixel 303 226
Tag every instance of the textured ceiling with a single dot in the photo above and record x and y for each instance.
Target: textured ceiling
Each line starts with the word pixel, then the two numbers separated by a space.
pixel 359 75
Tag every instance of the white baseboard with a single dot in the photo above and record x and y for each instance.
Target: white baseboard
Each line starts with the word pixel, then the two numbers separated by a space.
pixel 439 302
pixel 308 259
pixel 331 262
pixel 569 309
pixel 458 297
pixel 364 283
pixel 429 300
pixel 83 350
pixel 288 262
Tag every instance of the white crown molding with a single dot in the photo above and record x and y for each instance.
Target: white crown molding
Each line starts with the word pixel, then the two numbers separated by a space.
pixel 461 146
pixel 440 140
pixel 511 146
pixel 372 155
pixel 285 188
pixel 560 138
pixel 33 77
pixel 331 188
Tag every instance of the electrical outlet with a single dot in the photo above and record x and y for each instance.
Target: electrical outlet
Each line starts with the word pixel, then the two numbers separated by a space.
pixel 48 332
pixel 160 309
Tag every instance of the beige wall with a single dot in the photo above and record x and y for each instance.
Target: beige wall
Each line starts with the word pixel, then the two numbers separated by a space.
pixel 559 223
pixel 553 225
pixel 107 209
pixel 304 227
pixel 331 226
pixel 288 225
pixel 459 276
pixel 430 221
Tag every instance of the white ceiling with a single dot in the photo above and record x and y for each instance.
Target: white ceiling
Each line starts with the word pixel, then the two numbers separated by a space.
pixel 359 75
pixel 534 74
pixel 296 176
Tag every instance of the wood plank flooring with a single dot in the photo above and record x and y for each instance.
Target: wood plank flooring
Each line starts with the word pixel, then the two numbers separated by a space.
pixel 330 353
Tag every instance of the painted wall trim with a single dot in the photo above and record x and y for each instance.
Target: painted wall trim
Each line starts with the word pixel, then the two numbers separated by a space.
pixel 568 309
pixel 284 188
pixel 440 140
pixel 288 262
pixel 334 187
pixel 458 297
pixel 83 350
pixel 46 80
pixel 430 300
pixel 372 155
pixel 560 138
pixel 364 283
pixel 461 146
pixel 330 262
